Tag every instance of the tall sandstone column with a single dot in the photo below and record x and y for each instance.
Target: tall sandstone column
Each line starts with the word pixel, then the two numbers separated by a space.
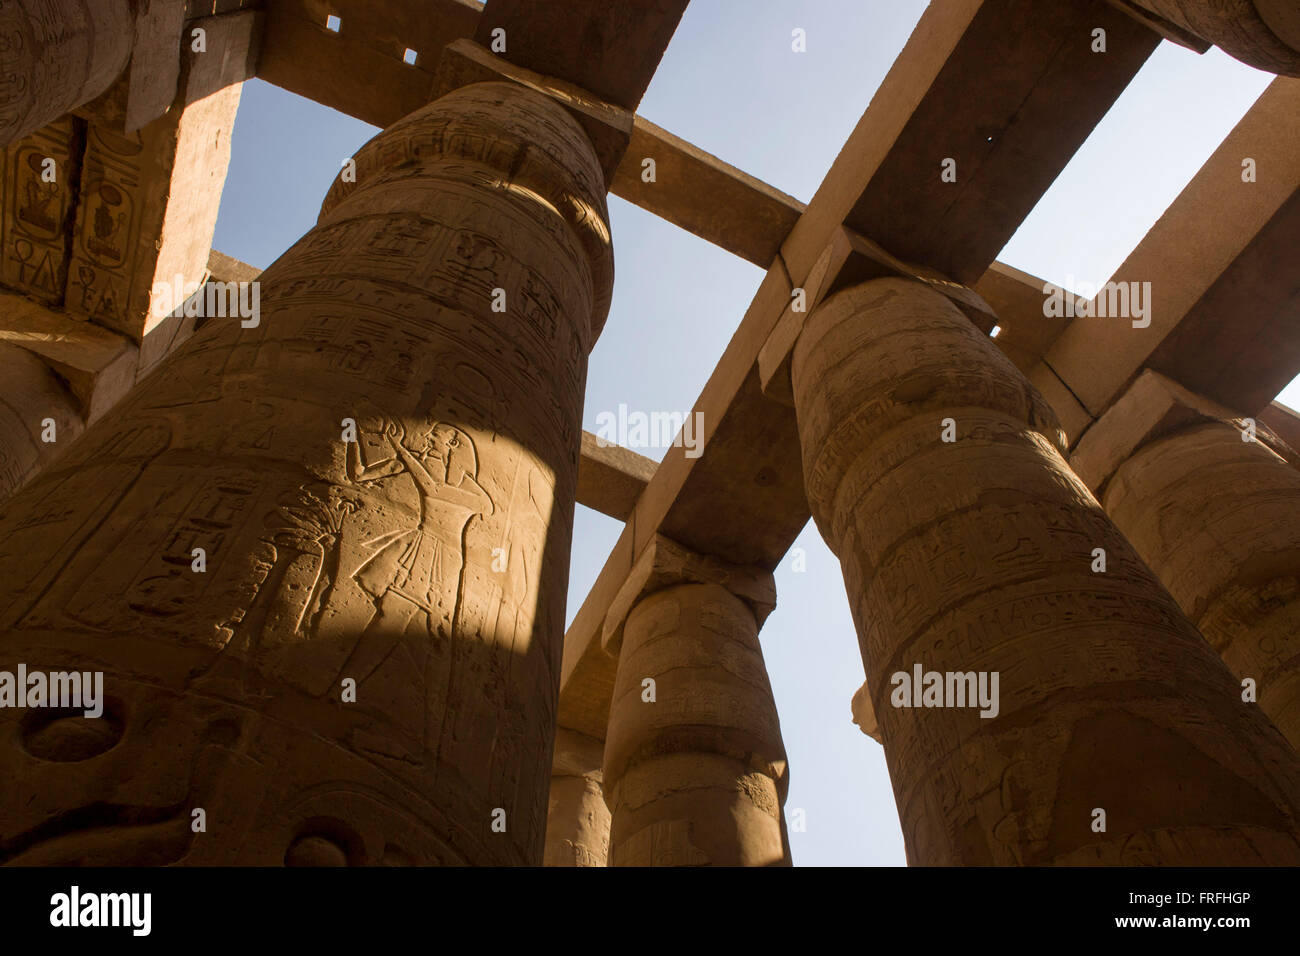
pixel 440 314
pixel 695 770
pixel 577 824
pixel 976 556
pixel 57 55
pixel 1218 520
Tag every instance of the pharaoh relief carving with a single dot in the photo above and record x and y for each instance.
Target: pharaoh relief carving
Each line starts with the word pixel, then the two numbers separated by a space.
pixel 345 561
pixel 416 572
pixel 423 558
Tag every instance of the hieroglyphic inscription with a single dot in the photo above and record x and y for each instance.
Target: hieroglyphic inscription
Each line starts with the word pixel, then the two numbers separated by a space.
pixel 102 284
pixel 976 555
pixel 40 176
pixel 1215 517
pixel 423 559
pixel 55 55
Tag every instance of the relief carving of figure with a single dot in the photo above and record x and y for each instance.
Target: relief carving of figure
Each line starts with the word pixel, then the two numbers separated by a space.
pixel 417 572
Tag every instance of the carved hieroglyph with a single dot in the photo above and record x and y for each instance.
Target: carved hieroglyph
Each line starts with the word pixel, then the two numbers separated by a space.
pixel 695 770
pixel 38 200
pixel 56 55
pixel 427 562
pixel 976 556
pixel 148 199
pixel 1218 519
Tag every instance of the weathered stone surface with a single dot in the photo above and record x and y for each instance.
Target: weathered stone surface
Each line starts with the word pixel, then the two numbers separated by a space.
pixel 864 713
pixel 577 819
pixel 301 54
pixel 1262 33
pixel 610 477
pixel 696 776
pixel 55 56
pixel 1213 515
pixel 96 365
pixel 38 201
pixel 1218 520
pixel 31 394
pixel 608 126
pixel 611 49
pixel 427 561
pixel 1283 422
pixel 704 195
pixel 155 61
pixel 848 260
pixel 1153 406
pixel 976 556
pixel 165 337
pixel 664 563
pixel 741 500
pixel 90 369
pixel 149 199
pixel 1016 298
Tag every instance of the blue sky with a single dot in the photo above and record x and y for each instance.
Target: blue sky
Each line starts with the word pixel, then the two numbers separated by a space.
pixel 731 84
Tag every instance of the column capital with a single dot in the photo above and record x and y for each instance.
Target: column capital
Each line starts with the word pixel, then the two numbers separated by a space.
pixel 665 563
pixel 478 126
pixel 850 259
pixel 609 127
pixel 1153 407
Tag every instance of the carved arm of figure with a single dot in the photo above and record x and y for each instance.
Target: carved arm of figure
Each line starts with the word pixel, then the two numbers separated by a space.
pixel 468 493
pixel 358 470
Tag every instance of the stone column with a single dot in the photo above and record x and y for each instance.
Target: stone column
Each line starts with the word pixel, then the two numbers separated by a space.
pixel 973 558
pixel 695 771
pixel 1264 34
pixel 379 471
pixel 577 820
pixel 1218 520
pixel 57 55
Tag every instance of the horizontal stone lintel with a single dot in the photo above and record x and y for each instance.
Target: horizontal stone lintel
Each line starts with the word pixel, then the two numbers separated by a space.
pixel 611 477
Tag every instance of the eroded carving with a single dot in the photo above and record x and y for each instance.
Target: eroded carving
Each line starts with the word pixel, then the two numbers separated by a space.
pixel 976 555
pixel 425 561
